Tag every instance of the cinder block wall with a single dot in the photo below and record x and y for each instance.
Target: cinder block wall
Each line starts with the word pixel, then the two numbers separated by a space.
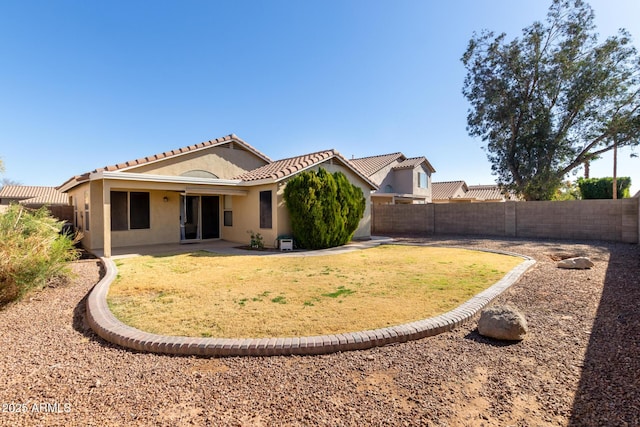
pixel 470 218
pixel 613 220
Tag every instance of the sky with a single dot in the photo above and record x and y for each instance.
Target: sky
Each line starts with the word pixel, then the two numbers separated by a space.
pixel 85 84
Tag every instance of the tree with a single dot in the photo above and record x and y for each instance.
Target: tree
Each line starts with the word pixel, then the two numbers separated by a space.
pixel 602 188
pixel 553 99
pixel 325 209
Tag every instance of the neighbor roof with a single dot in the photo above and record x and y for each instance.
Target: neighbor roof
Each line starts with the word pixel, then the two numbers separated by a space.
pixel 484 192
pixel 281 169
pixel 168 154
pixel 413 162
pixel 33 195
pixel 447 189
pixel 370 165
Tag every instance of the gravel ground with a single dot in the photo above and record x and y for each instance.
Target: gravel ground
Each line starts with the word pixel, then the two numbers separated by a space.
pixel 578 366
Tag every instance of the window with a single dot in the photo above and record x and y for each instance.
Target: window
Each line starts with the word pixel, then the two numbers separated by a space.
pixel 86 210
pixel 265 209
pixel 74 203
pixel 228 213
pixel 139 211
pixel 129 210
pixel 119 211
pixel 422 180
pixel 228 218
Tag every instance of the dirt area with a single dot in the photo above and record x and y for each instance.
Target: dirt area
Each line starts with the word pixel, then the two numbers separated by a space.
pixel 578 366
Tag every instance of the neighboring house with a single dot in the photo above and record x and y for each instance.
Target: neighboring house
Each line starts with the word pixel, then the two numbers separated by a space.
pixel 219 189
pixel 36 197
pixel 399 179
pixel 460 192
pixel 32 196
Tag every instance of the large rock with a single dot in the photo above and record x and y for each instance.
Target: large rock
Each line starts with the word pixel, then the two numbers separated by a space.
pixel 579 263
pixel 502 322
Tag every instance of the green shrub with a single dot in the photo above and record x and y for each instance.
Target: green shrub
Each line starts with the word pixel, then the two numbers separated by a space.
pixel 602 188
pixel 32 251
pixel 325 209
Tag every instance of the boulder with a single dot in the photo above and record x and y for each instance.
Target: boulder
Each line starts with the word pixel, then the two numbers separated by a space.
pixel 502 322
pixel 579 263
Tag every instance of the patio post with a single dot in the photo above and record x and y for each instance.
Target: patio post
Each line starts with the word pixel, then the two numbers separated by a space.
pixel 106 215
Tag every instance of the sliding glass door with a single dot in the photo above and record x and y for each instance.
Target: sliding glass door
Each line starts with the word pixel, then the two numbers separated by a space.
pixel 200 217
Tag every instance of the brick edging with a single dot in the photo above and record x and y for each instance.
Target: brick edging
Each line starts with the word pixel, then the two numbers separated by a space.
pixel 105 325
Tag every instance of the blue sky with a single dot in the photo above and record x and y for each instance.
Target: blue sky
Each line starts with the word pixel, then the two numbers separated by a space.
pixel 86 84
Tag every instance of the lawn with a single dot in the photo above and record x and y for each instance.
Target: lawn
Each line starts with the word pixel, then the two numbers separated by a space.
pixel 203 294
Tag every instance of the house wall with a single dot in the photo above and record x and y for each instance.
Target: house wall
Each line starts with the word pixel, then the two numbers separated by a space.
pixel 385 177
pixel 246 217
pixel 165 216
pixel 225 162
pixel 164 222
pixel 612 220
pixel 77 195
pixel 404 181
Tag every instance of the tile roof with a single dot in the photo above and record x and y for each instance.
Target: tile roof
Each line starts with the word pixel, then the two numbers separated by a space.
pixel 370 165
pixel 183 150
pixel 460 190
pixel 168 154
pixel 413 162
pixel 447 189
pixel 284 168
pixel 484 192
pixel 34 195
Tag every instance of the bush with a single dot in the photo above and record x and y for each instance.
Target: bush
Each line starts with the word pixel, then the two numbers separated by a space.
pixel 602 188
pixel 32 251
pixel 325 209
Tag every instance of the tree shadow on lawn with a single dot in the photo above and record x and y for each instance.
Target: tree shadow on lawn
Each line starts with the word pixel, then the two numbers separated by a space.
pixel 609 388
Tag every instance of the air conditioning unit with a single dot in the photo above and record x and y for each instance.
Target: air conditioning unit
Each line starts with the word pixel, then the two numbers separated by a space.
pixel 286 244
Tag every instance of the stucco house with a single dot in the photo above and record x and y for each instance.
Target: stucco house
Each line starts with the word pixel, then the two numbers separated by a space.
pixel 460 192
pixel 400 180
pixel 219 189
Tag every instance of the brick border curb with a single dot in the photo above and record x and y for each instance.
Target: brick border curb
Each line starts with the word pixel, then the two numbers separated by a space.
pixel 109 328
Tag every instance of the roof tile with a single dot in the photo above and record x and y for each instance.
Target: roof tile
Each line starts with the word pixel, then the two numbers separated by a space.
pixel 25 194
pixel 370 165
pixel 447 189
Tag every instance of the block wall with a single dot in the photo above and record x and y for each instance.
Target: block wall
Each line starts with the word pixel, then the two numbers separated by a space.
pixel 612 220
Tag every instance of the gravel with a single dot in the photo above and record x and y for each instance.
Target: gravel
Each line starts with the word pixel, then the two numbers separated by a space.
pixel 579 364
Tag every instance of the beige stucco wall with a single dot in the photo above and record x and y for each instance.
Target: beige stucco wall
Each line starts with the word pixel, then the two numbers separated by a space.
pixel 164 222
pixel 77 194
pixel 246 217
pixel 385 177
pixel 164 217
pixel 225 162
pixel 407 182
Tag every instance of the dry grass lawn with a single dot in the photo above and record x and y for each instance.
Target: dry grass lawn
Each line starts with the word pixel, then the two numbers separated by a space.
pixel 210 295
